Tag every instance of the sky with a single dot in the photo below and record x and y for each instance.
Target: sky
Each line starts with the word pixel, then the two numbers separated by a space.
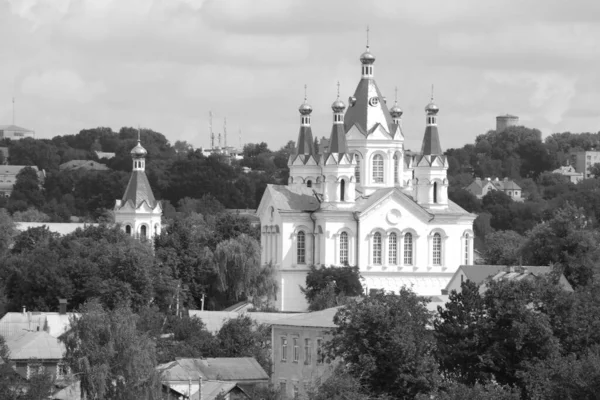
pixel 164 64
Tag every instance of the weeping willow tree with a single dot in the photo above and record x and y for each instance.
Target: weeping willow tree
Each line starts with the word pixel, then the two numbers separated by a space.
pixel 240 273
pixel 110 356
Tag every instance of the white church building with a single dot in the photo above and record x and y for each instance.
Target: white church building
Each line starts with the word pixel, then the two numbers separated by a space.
pixel 365 202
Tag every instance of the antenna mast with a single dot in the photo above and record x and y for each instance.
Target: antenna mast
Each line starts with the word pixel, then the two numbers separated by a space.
pixel 240 139
pixel 212 135
pixel 13 119
pixel 225 130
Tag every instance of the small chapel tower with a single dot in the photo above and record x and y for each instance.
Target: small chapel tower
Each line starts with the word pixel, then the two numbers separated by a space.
pixel 303 163
pixel 338 164
pixel 138 212
pixel 430 186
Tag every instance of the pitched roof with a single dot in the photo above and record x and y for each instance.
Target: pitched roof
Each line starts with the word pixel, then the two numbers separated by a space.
pixel 305 144
pixel 364 115
pixel 211 389
pixel 14 324
pixel 317 319
pixel 337 142
pixel 14 128
pixel 431 141
pixel 85 164
pixel 62 228
pixel 14 169
pixel 214 320
pixel 480 273
pixel 37 344
pixel 293 198
pixel 139 190
pixel 236 369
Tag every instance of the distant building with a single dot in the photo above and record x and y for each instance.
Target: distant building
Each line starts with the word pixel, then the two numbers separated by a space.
pixel 89 165
pixel 54 323
pixel 62 228
pixel 214 320
pixel 8 177
pixel 297 360
pixel 14 132
pixel 229 152
pixel 570 172
pixel 480 187
pixel 104 154
pixel 506 121
pixel 481 274
pixel 584 160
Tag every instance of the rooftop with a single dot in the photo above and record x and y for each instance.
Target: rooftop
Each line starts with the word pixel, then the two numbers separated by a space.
pixel 317 319
pixel 16 323
pixel 236 369
pixel 139 190
pixel 40 345
pixel 214 320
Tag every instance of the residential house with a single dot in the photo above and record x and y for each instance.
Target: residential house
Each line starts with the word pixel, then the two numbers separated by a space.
pixel 297 359
pixel 480 274
pixel 104 154
pixel 54 323
pixel 188 375
pixel 214 320
pixel 88 165
pixel 8 177
pixel 208 390
pixel 584 160
pixel 570 172
pixel 480 187
pixel 15 132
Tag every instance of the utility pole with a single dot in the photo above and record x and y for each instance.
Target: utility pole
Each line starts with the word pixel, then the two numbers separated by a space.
pixel 212 135
pixel 13 119
pixel 225 130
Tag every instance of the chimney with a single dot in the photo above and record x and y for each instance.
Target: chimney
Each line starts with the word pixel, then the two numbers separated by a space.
pixel 24 310
pixel 62 306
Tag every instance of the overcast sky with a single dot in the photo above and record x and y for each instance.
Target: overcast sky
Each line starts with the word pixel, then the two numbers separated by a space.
pixel 163 64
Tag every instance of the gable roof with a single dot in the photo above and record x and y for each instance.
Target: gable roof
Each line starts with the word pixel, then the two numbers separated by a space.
pixel 211 389
pixel 234 369
pixel 14 324
pixel 317 319
pixel 85 164
pixel 37 344
pixel 292 198
pixel 139 190
pixel 14 128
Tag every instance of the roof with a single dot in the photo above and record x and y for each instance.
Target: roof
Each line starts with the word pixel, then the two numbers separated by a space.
pixel 14 128
pixel 62 228
pixel 305 144
pixel 139 190
pixel 337 142
pixel 507 116
pixel 431 141
pixel 293 198
pixel 480 273
pixel 214 320
pixel 15 323
pixel 104 154
pixel 211 389
pixel 85 164
pixel 316 319
pixel 236 369
pixel 40 345
pixel 14 169
pixel 366 116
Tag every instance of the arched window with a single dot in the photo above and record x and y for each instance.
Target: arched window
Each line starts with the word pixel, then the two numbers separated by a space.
pixel 143 232
pixel 396 168
pixel 377 248
pixel 378 168
pixel 342 190
pixel 128 229
pixel 301 247
pixel 344 248
pixel 437 249
pixel 435 192
pixel 357 168
pixel 393 249
pixel 155 229
pixel 309 183
pixel 467 248
pixel 408 249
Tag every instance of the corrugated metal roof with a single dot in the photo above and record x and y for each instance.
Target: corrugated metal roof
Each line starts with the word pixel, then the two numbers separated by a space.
pixel 38 345
pixel 317 319
pixel 214 320
pixel 233 369
pixel 16 323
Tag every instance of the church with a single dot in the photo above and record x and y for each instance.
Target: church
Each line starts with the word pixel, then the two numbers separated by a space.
pixel 365 201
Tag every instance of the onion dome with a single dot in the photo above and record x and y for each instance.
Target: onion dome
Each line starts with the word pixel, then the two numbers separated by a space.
pixel 367 57
pixel 305 108
pixel 432 108
pixel 338 106
pixel 395 111
pixel 138 151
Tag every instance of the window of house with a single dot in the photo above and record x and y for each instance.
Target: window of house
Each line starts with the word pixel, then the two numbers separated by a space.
pixel 467 249
pixel 393 249
pixel 283 349
pixel 357 168
pixel 377 248
pixel 296 390
pixel 307 351
pixel 343 190
pixel 62 370
pixel 309 183
pixel 301 247
pixel 282 388
pixel 320 355
pixel 128 229
pixel 396 168
pixel 437 249
pixel 143 232
pixel 435 187
pixel 408 249
pixel 296 350
pixel 344 248
pixel 378 168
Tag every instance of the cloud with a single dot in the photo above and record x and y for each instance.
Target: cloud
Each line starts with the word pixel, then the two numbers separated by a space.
pixel 62 85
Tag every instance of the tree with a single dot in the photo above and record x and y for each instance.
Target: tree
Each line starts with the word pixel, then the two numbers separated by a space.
pixel 110 356
pixel 328 286
pixel 7 231
pixel 503 248
pixel 465 199
pixel 27 188
pixel 384 342
pixel 31 215
pixel 240 273
pixel 595 170
pixel 341 385
pixel 243 337
pixel 458 391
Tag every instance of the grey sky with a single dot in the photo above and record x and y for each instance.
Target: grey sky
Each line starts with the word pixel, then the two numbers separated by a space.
pixel 163 64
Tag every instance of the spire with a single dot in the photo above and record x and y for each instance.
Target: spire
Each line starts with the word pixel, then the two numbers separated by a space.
pixel 396 111
pixel 431 140
pixel 305 143
pixel 337 141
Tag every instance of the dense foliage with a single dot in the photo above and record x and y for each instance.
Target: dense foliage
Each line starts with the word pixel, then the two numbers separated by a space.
pixel 328 287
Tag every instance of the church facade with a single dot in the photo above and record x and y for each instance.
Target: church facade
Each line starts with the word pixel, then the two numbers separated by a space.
pixel 365 202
